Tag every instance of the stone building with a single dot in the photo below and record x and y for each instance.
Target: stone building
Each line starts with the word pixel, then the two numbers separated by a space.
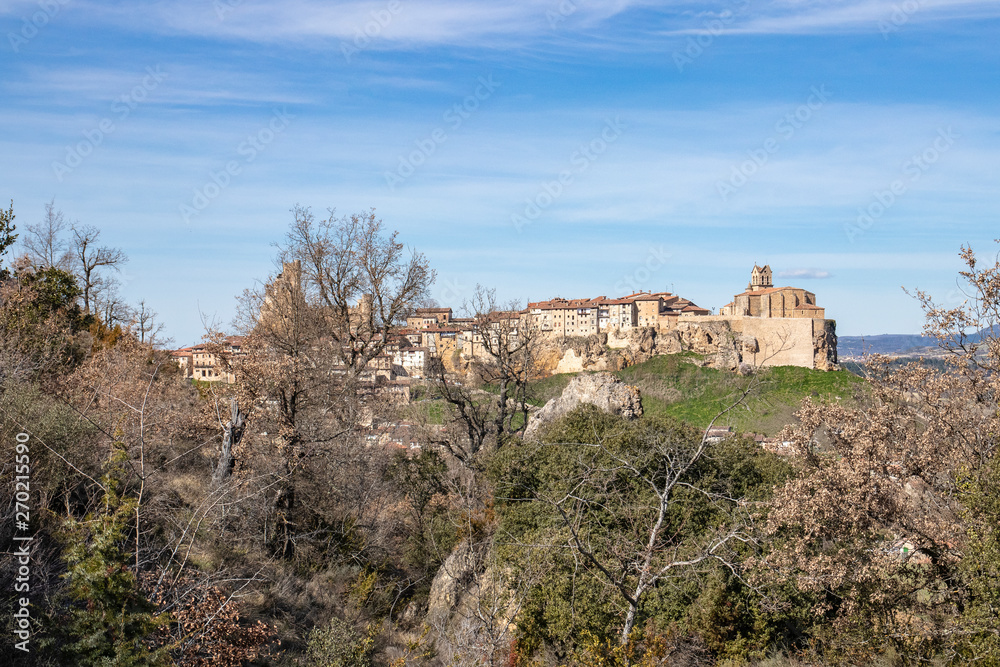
pixel 762 299
pixel 585 317
pixel 425 318
pixel 200 362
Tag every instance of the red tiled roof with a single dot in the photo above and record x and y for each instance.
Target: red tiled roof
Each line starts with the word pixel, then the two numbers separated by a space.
pixel 771 290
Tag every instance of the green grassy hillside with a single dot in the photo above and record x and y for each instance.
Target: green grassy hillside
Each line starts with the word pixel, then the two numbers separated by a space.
pixel 676 385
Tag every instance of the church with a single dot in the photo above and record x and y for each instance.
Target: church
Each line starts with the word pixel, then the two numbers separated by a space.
pixel 763 299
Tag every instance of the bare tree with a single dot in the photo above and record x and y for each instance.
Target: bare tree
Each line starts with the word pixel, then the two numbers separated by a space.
pixel 145 324
pixel 311 333
pixel 472 414
pixel 506 357
pixel 91 262
pixel 46 244
pixel 110 305
pixel 504 350
pixel 359 275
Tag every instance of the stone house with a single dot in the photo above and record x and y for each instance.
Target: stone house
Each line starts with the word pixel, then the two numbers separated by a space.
pixel 200 362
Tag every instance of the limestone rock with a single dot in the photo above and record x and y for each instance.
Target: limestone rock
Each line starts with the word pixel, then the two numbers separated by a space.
pixel 451 583
pixel 825 347
pixel 749 344
pixel 601 389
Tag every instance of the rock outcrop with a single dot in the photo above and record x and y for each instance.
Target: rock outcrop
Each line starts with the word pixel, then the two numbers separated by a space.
pixel 452 582
pixel 600 389
pixel 617 349
pixel 825 347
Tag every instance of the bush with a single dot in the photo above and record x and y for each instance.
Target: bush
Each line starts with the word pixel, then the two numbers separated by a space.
pixel 340 644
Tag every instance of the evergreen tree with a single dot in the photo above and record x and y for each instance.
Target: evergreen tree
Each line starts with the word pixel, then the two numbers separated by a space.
pixel 109 622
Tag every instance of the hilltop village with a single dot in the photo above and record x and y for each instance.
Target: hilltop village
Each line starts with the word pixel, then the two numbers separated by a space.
pixel 762 326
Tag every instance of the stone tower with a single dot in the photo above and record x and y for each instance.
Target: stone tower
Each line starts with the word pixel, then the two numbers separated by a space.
pixel 282 296
pixel 760 278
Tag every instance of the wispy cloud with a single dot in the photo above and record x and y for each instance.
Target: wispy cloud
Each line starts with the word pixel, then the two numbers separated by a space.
pixel 393 22
pixel 805 274
pixel 791 17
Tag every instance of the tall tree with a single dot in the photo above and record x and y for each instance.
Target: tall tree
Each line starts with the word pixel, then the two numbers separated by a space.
pixel 45 242
pixel 145 324
pixel 302 375
pixel 504 355
pixel 92 260
pixel 361 277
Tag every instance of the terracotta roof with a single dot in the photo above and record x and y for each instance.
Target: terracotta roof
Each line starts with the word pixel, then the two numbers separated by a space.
pixel 771 290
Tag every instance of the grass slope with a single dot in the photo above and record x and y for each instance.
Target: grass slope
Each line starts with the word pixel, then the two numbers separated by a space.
pixel 675 385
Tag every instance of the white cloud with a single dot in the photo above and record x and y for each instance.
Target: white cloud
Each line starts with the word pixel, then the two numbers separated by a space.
pixel 805 274
pixel 393 24
pixel 387 23
pixel 817 16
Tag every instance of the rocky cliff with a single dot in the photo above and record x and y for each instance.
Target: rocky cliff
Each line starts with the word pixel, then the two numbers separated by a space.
pixel 600 389
pixel 614 351
pixel 726 343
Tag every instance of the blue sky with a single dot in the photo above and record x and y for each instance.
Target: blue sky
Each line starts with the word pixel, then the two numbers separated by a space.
pixel 551 148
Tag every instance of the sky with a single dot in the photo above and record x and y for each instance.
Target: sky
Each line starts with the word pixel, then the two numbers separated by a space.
pixel 543 148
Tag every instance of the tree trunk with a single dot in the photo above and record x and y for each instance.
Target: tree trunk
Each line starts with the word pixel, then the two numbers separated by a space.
pixel 629 622
pixel 231 435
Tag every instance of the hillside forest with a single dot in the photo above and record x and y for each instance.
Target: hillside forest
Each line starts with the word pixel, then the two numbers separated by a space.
pixel 149 519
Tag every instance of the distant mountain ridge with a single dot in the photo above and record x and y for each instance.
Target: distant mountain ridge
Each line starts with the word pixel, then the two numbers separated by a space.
pixel 887 344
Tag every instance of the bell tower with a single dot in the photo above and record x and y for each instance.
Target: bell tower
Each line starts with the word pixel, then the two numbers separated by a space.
pixel 760 278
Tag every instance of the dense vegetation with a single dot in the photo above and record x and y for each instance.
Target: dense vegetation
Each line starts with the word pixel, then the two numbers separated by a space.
pixel 264 522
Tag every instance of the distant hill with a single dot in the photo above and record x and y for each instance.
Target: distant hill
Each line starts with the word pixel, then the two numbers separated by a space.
pixel 887 344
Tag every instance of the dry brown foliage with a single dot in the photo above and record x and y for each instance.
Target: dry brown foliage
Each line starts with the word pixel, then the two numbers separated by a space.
pixel 890 476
